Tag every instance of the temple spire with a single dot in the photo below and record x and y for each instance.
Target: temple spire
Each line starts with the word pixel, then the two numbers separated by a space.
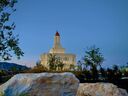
pixel 57 48
pixel 57 33
pixel 57 40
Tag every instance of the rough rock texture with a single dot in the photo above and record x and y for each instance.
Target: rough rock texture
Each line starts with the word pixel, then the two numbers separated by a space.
pixel 43 84
pixel 100 89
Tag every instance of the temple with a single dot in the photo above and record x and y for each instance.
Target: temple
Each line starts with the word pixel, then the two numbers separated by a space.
pixel 67 58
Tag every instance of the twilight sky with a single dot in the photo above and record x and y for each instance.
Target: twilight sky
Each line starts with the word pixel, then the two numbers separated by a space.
pixel 81 23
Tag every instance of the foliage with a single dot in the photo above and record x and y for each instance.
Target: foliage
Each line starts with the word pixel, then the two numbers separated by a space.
pixel 52 62
pixel 2 72
pixel 72 67
pixel 79 66
pixel 55 63
pixel 125 74
pixel 59 64
pixel 103 73
pixel 4 76
pixel 80 75
pixel 94 73
pixel 37 69
pixel 93 58
pixel 114 73
pixel 8 42
pixel 124 70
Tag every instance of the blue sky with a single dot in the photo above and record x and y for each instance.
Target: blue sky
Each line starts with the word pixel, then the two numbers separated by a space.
pixel 81 23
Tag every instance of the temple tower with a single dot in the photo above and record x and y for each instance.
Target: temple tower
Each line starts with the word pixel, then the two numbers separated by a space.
pixel 57 48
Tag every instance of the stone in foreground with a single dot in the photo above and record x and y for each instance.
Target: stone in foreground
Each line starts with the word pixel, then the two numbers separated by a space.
pixel 100 89
pixel 42 84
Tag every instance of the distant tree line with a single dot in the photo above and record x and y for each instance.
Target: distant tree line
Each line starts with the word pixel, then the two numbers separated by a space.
pixel 88 68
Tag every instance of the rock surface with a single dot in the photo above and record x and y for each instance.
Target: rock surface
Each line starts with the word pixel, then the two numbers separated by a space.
pixel 42 84
pixel 100 89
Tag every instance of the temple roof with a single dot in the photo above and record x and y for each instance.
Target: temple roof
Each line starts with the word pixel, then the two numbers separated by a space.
pixel 57 33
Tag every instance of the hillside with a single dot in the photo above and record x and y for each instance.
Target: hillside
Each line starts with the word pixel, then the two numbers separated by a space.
pixel 9 66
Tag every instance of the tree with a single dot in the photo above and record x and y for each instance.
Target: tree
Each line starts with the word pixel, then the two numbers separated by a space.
pixel 52 61
pixel 79 66
pixel 124 70
pixel 55 63
pixel 103 73
pixel 59 64
pixel 117 72
pixel 110 74
pixel 93 58
pixel 9 43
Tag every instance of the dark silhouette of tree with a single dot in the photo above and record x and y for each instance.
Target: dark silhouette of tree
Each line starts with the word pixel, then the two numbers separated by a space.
pixel 110 74
pixel 117 72
pixel 103 73
pixel 9 43
pixel 94 73
pixel 93 58
pixel 88 75
pixel 114 73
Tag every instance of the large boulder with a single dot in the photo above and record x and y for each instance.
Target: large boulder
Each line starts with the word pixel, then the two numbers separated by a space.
pixel 42 84
pixel 100 89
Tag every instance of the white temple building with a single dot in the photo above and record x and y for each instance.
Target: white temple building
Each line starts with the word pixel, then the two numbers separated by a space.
pixel 59 51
